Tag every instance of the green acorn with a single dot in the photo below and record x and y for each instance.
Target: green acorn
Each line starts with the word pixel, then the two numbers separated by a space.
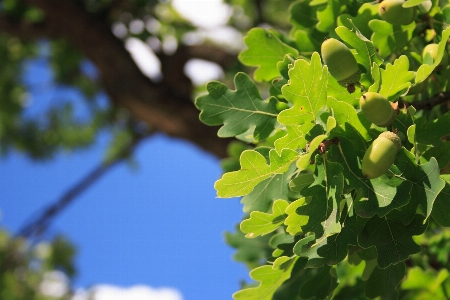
pixel 392 11
pixel 381 155
pixel 341 63
pixel 432 50
pixel 377 109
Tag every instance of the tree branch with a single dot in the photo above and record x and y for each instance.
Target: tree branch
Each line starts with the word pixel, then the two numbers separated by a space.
pixel 36 226
pixel 429 103
pixel 158 104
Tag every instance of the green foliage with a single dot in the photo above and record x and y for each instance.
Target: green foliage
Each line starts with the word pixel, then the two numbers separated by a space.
pixel 25 269
pixel 342 235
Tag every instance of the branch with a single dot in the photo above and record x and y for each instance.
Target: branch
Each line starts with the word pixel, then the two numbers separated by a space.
pixel 39 224
pixel 160 105
pixel 429 103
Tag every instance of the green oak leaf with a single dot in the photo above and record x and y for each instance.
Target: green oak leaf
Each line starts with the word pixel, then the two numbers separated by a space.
pixel 267 191
pixel 322 199
pixel 291 286
pixel 254 169
pixel 432 132
pixel 265 49
pixel 376 76
pixel 238 110
pixel 327 16
pixel 441 153
pixel 279 239
pixel 375 196
pixel 308 41
pixel 271 278
pixel 390 38
pixel 301 181
pixel 294 221
pixel 306 90
pixel 425 180
pixel 261 223
pixel 366 53
pixel 412 3
pixel 391 237
pixel 302 15
pixel 403 121
pixel 336 91
pixel 321 286
pixel 384 282
pixel 367 11
pixel 369 268
pixel 396 78
pixel 303 18
pixel 303 245
pixel 335 248
pixel 425 70
pixel 305 159
pixel 443 19
pixel 345 113
pixel 441 207
pixel 295 137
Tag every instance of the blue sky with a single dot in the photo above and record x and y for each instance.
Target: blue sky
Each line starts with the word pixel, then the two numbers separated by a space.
pixel 159 225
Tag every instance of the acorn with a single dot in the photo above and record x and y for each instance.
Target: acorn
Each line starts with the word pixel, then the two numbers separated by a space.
pixel 381 155
pixel 392 11
pixel 341 63
pixel 377 109
pixel 432 50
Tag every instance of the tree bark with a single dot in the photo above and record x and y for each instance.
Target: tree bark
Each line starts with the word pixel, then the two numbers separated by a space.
pixel 160 105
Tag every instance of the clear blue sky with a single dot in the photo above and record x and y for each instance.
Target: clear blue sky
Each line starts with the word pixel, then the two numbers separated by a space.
pixel 159 225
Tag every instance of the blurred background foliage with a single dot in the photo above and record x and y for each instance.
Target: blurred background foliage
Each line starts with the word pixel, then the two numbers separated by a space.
pixel 42 267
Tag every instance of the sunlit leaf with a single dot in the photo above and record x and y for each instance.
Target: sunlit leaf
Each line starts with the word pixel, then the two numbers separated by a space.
pixel 390 38
pixel 306 90
pixel 267 191
pixel 294 221
pixel 254 169
pixel 261 223
pixel 270 279
pixel 265 49
pixel 396 78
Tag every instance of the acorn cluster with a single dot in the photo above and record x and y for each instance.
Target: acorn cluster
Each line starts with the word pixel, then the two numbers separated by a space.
pixel 377 109
pixel 380 156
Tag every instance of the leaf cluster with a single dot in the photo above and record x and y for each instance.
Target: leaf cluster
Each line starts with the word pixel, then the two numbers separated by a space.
pixel 332 231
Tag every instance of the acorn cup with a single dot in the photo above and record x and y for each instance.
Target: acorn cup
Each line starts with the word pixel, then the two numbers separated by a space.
pixel 381 154
pixel 341 63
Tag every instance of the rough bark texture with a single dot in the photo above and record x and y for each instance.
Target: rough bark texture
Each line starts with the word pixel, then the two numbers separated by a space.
pixel 165 106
